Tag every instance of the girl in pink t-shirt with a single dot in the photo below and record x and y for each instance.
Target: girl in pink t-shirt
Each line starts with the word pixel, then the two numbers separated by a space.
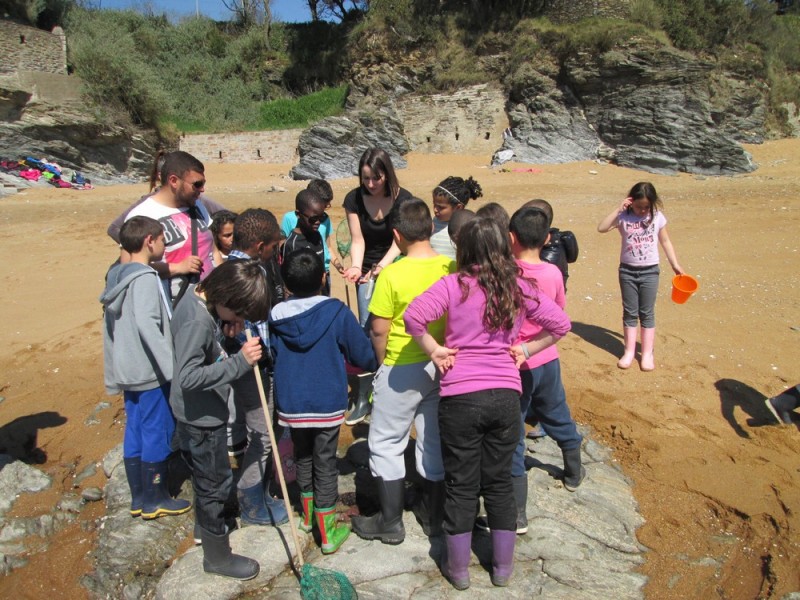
pixel 486 303
pixel 642 226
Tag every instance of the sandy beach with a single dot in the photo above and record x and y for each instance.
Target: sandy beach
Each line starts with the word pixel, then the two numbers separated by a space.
pixel 718 484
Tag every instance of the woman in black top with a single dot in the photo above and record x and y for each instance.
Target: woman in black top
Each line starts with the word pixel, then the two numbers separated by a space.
pixel 367 208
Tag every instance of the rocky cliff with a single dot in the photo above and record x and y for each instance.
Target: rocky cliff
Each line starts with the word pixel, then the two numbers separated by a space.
pixel 43 115
pixel 640 104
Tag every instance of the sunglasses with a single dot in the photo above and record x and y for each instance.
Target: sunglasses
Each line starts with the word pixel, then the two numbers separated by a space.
pixel 313 219
pixel 198 185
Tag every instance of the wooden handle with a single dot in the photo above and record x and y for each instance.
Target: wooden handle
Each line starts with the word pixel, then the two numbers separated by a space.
pixel 277 459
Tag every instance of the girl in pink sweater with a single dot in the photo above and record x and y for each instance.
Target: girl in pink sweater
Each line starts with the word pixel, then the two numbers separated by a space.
pixel 486 302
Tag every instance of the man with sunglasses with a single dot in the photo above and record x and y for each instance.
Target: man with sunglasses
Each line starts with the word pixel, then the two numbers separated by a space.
pixel 189 242
pixel 310 211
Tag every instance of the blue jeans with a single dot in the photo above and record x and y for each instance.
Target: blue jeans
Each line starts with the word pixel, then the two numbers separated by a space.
pixel 639 287
pixel 211 473
pixel 149 425
pixel 479 432
pixel 362 289
pixel 543 391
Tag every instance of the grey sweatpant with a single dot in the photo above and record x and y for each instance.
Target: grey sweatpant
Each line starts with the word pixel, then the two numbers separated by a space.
pixel 404 395
pixel 639 287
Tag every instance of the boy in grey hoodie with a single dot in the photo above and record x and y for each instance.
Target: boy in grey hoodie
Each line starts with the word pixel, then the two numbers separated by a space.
pixel 137 352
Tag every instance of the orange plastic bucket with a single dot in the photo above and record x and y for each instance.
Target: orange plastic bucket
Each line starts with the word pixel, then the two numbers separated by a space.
pixel 683 286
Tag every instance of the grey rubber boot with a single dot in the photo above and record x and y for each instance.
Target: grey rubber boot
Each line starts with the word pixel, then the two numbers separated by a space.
pixel 219 560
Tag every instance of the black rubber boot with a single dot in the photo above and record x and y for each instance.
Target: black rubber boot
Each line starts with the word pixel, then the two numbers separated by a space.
pixel 219 560
pixel 386 525
pixel 573 470
pixel 430 510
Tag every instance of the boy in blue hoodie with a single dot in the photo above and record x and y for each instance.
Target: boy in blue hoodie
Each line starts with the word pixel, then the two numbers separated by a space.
pixel 312 331
pixel 137 352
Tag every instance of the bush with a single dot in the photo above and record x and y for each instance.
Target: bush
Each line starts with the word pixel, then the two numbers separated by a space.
pixel 300 112
pixel 116 76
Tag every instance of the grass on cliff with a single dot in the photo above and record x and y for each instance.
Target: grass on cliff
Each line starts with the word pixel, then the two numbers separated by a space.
pixel 284 113
pixel 200 75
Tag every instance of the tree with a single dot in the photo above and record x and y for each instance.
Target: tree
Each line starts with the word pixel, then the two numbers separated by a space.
pixel 250 12
pixel 335 9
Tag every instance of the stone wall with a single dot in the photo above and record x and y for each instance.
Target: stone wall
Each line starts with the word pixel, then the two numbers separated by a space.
pixel 24 48
pixel 571 11
pixel 468 121
pixel 278 146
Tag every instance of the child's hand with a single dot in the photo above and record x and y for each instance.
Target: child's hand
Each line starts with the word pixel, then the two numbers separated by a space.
pixel 444 358
pixel 625 204
pixel 251 350
pixel 517 354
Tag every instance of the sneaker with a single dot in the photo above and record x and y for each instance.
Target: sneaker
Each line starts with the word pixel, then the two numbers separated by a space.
pixel 783 417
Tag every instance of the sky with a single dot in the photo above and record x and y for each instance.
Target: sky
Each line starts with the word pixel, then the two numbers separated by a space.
pixel 288 11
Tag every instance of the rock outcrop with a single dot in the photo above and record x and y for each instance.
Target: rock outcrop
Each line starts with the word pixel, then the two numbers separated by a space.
pixel 641 104
pixel 579 545
pixel 67 131
pixel 331 148
pixel 652 106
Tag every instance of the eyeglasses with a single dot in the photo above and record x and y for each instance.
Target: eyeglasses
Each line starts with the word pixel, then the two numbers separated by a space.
pixel 313 219
pixel 198 185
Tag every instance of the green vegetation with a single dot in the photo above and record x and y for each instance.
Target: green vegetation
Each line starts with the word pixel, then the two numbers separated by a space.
pixel 300 112
pixel 200 75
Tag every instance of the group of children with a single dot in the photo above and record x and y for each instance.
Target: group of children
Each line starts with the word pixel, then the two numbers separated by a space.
pixel 461 338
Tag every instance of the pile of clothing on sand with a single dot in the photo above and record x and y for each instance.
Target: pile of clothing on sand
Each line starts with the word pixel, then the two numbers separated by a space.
pixel 35 169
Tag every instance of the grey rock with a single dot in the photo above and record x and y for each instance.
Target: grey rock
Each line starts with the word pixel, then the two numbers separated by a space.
pixel 10 562
pixel 70 503
pixel 87 471
pixel 92 494
pixel 17 477
pixel 652 105
pixel 599 579
pixel 93 418
pixel 579 545
pixel 547 122
pixel 71 134
pixel 112 460
pixel 331 148
pixel 131 554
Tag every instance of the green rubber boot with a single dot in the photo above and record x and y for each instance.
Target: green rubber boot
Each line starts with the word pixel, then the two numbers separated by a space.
pixel 332 534
pixel 306 523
